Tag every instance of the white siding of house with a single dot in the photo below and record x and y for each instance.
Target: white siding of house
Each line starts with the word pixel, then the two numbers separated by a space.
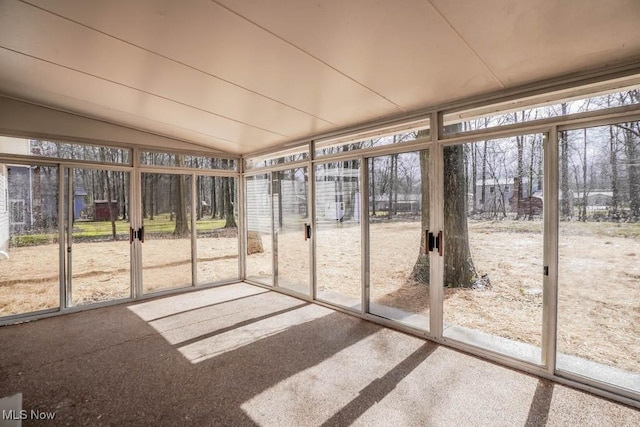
pixel 4 210
pixel 10 145
pixel 258 206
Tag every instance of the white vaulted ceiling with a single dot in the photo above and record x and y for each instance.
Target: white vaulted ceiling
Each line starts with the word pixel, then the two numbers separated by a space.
pixel 244 75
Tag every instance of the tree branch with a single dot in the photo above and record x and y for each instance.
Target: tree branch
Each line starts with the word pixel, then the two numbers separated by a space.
pixel 635 132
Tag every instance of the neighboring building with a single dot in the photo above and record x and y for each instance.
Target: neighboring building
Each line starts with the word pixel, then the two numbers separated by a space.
pixel 79 203
pixel 403 203
pixel 501 194
pixel 498 192
pixel 337 194
pixel 596 199
pixel 101 210
pixel 258 206
pixel 33 198
pixel 8 146
pixel 4 210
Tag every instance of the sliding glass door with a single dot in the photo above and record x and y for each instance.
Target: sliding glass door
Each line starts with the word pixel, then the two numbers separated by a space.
pixel 338 233
pixel 216 229
pixel 166 249
pixel 398 219
pixel 292 226
pixel 493 245
pixel 258 208
pixel 98 249
pixel 29 236
pixel 599 254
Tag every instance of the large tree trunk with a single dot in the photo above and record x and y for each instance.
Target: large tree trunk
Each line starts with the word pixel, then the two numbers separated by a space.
pixel 182 223
pixel 459 270
pixel 112 208
pixel 214 198
pixel 124 193
pixel 420 271
pixel 221 198
pixel 230 219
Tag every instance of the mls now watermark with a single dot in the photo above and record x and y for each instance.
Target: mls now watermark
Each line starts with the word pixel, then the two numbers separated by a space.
pixel 8 415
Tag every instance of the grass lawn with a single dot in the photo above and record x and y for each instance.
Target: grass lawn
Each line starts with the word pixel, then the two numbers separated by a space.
pixel 87 229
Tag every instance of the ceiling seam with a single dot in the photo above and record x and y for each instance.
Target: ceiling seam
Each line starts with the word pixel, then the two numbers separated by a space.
pixel 476 54
pixel 145 92
pixel 180 63
pixel 310 55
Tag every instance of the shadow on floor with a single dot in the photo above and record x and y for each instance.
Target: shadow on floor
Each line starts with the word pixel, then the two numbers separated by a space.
pixel 96 375
pixel 379 388
pixel 540 404
pixel 270 363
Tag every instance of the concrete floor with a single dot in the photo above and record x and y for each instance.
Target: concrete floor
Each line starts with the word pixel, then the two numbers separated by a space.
pixel 241 355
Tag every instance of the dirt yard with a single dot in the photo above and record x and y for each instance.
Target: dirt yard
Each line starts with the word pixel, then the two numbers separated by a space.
pixel 599 279
pixel 101 270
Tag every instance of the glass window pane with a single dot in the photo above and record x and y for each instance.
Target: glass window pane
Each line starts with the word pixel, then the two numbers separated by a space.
pixel 493 245
pixel 399 267
pixel 599 254
pixel 394 135
pixel 290 196
pixel 216 228
pixel 273 159
pixel 29 250
pixel 100 249
pixel 64 150
pixel 259 229
pixel 166 251
pixel 550 105
pixel 338 236
pixel 152 158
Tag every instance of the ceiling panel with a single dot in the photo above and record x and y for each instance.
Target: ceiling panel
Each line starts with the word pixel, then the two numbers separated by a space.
pixel 244 75
pixel 400 49
pixel 210 38
pixel 20 73
pixel 526 41
pixel 104 57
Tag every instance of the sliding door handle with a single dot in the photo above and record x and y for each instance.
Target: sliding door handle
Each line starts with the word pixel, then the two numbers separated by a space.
pixel 136 234
pixel 433 242
pixel 307 231
pixel 428 246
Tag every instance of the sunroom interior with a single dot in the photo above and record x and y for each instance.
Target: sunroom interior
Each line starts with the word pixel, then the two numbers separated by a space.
pixel 464 172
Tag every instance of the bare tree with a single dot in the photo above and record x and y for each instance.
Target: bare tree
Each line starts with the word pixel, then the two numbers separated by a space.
pixel 459 268
pixel 182 222
pixel 565 190
pixel 110 205
pixel 420 272
pixel 229 191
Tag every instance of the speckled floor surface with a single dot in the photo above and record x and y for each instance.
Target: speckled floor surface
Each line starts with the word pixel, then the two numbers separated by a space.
pixel 240 355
